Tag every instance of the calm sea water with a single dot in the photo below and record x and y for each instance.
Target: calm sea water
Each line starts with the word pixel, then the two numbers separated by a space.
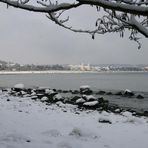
pixel 108 81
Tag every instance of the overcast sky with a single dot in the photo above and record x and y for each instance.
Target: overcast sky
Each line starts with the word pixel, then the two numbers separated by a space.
pixel 30 38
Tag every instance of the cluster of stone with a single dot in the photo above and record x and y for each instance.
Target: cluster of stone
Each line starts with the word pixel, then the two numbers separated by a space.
pixel 84 98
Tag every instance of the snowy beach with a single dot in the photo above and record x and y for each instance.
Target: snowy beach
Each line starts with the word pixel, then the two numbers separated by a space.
pixel 34 124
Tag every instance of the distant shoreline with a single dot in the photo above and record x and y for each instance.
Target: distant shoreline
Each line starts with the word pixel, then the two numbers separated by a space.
pixel 65 72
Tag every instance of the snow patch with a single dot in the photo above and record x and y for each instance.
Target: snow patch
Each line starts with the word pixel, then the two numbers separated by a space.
pixel 80 100
pixel 84 87
pixel 105 119
pixel 49 91
pixel 44 98
pixel 92 103
pixel 57 97
pixel 127 90
pixel 89 97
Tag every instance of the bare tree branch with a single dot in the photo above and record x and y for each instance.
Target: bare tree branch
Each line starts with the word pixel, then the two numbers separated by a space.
pixel 119 5
pixel 49 9
pixel 114 16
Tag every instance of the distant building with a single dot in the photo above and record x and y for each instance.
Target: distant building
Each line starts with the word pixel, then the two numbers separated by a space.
pixel 146 68
pixel 81 67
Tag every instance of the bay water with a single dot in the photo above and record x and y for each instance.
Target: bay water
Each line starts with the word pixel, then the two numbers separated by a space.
pixel 135 81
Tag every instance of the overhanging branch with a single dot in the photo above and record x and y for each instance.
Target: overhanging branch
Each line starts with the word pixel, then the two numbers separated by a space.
pixel 117 6
pixel 49 9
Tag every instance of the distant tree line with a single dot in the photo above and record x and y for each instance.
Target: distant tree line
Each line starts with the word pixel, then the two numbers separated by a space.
pixel 4 66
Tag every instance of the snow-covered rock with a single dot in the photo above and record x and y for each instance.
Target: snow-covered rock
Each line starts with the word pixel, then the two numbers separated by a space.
pixel 60 104
pixel 89 97
pixel 80 100
pixel 126 114
pixel 105 119
pixel 44 98
pixel 91 103
pixel 20 86
pixel 140 96
pixel 58 97
pixel 33 93
pixel 128 93
pixel 127 90
pixel 23 92
pixel 85 87
pixel 49 91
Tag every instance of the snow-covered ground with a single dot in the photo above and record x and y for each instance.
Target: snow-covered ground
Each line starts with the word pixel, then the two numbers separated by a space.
pixel 25 123
pixel 44 72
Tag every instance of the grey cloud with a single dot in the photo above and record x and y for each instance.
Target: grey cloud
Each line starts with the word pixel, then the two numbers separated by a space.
pixel 27 37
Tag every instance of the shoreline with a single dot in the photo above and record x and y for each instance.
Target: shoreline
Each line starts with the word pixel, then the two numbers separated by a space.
pixel 104 100
pixel 65 72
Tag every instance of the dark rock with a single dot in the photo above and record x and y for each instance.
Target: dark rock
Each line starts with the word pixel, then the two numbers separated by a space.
pixel 112 108
pixel 109 93
pixel 13 93
pixel 101 92
pixel 128 93
pixel 67 100
pixel 40 95
pixel 48 104
pixel 54 90
pixel 104 107
pixel 85 90
pixel 118 93
pixel 40 91
pixel 70 91
pixel 75 98
pixel 89 98
pixel 65 91
pixel 91 105
pixel 77 113
pixel 28 91
pixel 28 140
pixel 59 91
pixel 101 100
pixel 57 98
pixel 80 102
pixel 8 100
pixel 105 121
pixel 145 113
pixel 17 89
pixel 34 97
pixel 4 90
pixel 140 96
pixel 75 92
pixel 50 97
